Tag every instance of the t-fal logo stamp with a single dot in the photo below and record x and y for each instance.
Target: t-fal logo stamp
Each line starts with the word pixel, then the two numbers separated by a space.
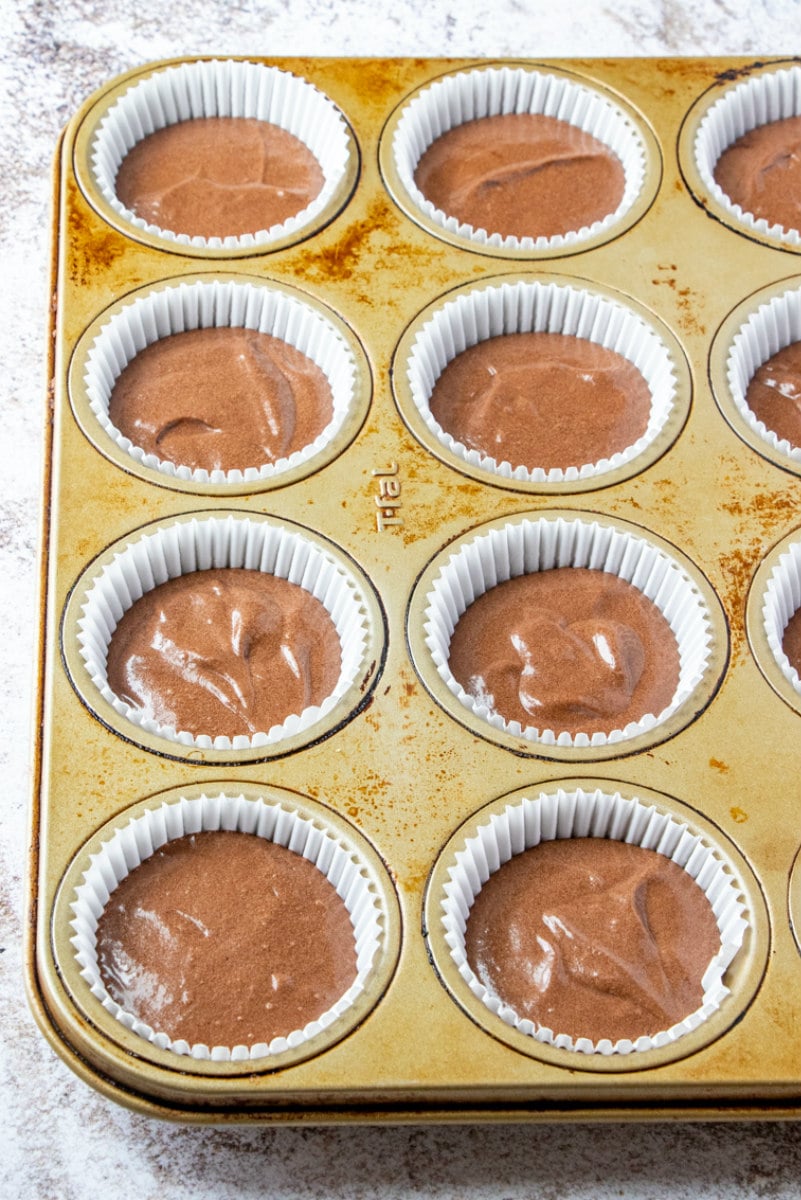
pixel 388 498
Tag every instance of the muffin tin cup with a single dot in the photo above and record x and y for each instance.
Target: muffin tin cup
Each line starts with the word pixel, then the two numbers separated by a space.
pixel 183 304
pixel 756 330
pixel 495 90
pixel 169 549
pixel 582 809
pixel 506 549
pixel 308 829
pixel 539 304
pixel 773 598
pixel 143 104
pixel 717 120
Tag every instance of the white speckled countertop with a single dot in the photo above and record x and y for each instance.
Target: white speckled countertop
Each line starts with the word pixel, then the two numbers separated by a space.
pixel 58 1139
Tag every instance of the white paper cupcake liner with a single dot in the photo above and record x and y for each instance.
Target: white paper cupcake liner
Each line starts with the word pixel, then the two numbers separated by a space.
pixel 781 600
pixel 770 328
pixel 219 303
pixel 223 88
pixel 142 836
pixel 540 544
pixel 770 96
pixel 200 544
pixel 598 814
pixel 540 307
pixel 469 95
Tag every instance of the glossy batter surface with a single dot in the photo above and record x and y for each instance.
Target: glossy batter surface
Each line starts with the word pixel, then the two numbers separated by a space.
pixel 221 398
pixel 521 175
pixel 546 400
pixel 226 939
pixel 218 177
pixel 761 172
pixel 224 652
pixel 569 649
pixel 593 938
pixel 774 393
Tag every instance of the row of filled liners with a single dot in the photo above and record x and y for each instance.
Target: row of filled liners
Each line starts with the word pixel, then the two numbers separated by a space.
pixel 590 149
pixel 144 976
pixel 176 635
pixel 228 384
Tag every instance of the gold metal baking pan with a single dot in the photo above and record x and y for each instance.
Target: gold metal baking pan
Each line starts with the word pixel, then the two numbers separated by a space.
pixel 398 773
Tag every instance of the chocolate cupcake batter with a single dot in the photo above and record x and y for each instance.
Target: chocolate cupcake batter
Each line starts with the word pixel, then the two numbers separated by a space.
pixel 774 393
pixel 593 938
pixel 570 649
pixel 218 177
pixel 521 175
pixel 791 640
pixel 546 400
pixel 224 652
pixel 761 172
pixel 221 399
pixel 226 939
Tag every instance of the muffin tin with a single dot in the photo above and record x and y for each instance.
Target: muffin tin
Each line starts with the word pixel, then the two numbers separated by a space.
pixel 405 781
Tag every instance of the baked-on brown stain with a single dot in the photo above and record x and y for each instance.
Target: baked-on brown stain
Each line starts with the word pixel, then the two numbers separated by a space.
pixel 93 248
pixel 341 260
pixel 732 74
pixel 766 507
pixel 365 250
pixel 375 82
pixel 226 939
pixel 766 512
pixel 737 567
pixel 593 938
pixel 687 301
pixel 371 785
